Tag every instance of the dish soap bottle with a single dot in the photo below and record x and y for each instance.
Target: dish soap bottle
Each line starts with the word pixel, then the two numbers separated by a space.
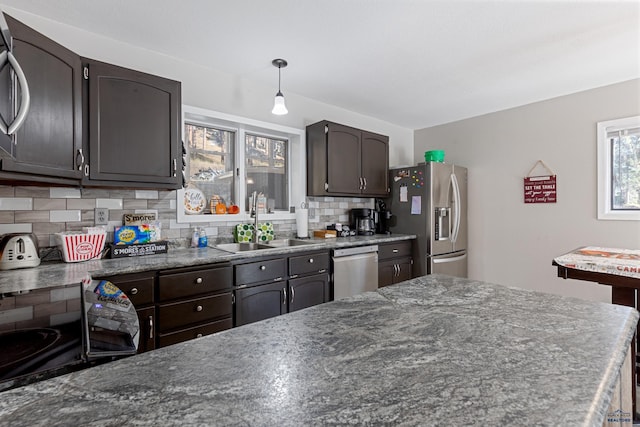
pixel 202 238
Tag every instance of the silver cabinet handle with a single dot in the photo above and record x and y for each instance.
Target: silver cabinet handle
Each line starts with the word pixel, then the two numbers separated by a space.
pixel 310 260
pixel 293 295
pixel 81 156
pixel 133 291
pixel 277 279
pixel 199 336
pixel 263 267
pixel 199 280
pixel 365 183
pixel 284 292
pixel 9 127
pixel 361 183
pixel 199 308
pixel 150 327
pixel 395 251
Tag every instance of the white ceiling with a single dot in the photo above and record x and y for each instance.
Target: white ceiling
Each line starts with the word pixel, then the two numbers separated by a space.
pixel 412 63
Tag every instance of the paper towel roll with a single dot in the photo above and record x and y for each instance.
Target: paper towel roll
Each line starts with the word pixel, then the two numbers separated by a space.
pixel 302 222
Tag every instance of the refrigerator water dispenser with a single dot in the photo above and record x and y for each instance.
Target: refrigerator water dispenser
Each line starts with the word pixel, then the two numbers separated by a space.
pixel 442 226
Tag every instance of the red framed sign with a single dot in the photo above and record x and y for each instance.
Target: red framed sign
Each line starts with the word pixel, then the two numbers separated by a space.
pixel 540 189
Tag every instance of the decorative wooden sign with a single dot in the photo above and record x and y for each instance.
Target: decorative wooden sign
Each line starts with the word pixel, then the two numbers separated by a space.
pixel 540 189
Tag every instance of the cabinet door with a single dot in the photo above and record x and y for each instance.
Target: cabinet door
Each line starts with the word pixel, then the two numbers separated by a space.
pixel 47 147
pixel 260 302
pixel 308 291
pixel 343 159
pixel 386 273
pixel 403 270
pixel 147 320
pixel 375 164
pixel 134 128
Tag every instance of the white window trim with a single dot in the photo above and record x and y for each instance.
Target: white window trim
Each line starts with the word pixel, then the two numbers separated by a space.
pixel 604 170
pixel 297 162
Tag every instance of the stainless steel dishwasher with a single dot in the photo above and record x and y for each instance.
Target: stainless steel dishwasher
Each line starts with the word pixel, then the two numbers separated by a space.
pixel 355 270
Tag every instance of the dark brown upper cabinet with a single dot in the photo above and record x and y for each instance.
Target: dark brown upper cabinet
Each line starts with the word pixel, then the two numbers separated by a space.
pixel 344 161
pixel 134 122
pixel 48 146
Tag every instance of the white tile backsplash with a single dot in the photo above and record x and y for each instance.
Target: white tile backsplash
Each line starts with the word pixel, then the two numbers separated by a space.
pixel 15 228
pixel 63 294
pixel 146 194
pixel 64 193
pixel 65 216
pixel 16 315
pixel 16 203
pixel 109 203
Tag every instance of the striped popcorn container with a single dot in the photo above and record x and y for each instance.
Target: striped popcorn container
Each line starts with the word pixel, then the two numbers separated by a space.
pixel 81 246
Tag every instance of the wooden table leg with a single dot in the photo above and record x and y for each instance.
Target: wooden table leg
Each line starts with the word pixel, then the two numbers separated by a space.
pixel 627 296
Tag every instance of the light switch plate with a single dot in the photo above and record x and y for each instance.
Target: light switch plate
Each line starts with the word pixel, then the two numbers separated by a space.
pixel 101 216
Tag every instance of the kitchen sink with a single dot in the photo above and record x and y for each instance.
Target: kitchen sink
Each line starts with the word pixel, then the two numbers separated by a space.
pixel 241 247
pixel 273 244
pixel 281 243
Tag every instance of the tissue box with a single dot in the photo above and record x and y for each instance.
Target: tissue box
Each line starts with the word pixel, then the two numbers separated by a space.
pixel 131 234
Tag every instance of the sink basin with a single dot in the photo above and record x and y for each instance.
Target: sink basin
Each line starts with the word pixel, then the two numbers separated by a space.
pixel 241 247
pixel 280 243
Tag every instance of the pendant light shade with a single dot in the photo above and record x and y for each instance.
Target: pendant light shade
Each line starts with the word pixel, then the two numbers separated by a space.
pixel 278 105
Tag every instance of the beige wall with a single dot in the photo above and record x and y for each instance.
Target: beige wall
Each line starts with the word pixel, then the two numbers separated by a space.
pixel 512 243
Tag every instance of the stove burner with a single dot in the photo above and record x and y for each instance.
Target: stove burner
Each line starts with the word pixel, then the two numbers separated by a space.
pixel 24 344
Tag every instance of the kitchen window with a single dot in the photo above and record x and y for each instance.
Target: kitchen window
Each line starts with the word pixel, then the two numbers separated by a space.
pixel 230 157
pixel 619 169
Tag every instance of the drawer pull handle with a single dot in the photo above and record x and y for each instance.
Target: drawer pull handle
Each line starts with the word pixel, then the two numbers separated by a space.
pixel 263 267
pixel 150 327
pixel 284 296
pixel 199 336
pixel 311 260
pixel 293 295
pixel 133 291
pixel 395 251
pixel 199 280
pixel 199 308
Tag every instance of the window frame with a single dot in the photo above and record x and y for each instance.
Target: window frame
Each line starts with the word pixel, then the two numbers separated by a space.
pixel 296 152
pixel 605 208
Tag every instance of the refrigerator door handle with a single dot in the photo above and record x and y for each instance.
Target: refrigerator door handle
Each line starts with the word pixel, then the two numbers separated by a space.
pixel 452 259
pixel 456 201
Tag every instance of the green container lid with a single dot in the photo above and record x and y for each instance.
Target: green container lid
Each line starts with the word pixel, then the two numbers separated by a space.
pixel 434 156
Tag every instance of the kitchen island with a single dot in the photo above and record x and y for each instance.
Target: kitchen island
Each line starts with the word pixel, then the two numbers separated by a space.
pixel 435 350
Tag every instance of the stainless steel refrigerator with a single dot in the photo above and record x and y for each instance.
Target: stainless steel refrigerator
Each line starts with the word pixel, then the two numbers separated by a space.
pixel 430 201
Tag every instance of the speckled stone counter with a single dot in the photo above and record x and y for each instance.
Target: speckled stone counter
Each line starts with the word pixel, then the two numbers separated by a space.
pixel 60 273
pixel 433 351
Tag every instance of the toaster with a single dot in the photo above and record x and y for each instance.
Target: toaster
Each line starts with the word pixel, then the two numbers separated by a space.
pixel 18 250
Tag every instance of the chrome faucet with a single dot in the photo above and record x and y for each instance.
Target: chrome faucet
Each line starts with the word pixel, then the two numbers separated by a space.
pixel 254 215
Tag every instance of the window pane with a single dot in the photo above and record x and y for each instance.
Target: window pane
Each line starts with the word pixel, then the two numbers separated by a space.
pixel 211 160
pixel 625 172
pixel 266 169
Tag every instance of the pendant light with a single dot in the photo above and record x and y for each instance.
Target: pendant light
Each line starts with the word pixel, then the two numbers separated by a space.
pixel 278 105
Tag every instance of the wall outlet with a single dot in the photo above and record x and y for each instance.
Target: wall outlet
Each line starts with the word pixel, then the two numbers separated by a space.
pixel 101 216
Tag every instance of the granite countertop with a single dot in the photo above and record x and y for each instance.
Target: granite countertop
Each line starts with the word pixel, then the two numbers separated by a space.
pixel 435 350
pixel 59 273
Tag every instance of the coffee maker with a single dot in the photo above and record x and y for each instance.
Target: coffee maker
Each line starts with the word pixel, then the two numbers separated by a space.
pixel 361 220
pixel 381 217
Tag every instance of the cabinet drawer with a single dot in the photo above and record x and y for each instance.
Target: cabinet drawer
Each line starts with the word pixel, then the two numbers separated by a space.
pixel 393 250
pixel 311 263
pixel 198 310
pixel 195 332
pixel 181 285
pixel 262 271
pixel 139 288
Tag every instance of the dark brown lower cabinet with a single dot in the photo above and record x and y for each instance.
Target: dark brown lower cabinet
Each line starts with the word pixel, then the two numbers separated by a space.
pixel 260 302
pixel 147 319
pixel 394 271
pixel 394 262
pixel 308 291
